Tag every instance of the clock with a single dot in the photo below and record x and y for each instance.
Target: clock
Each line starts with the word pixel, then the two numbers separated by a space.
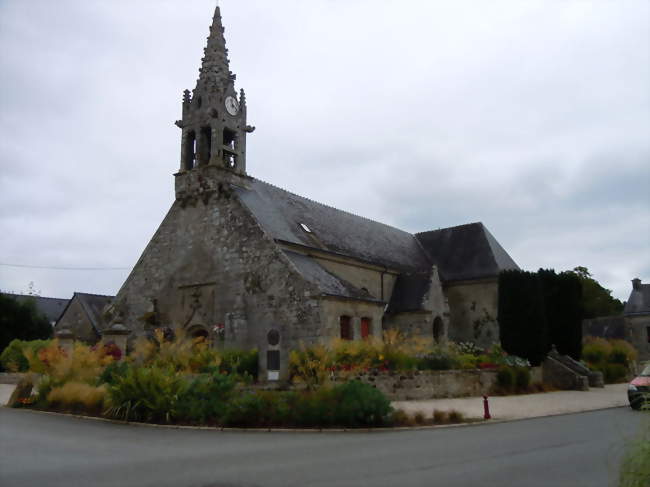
pixel 232 105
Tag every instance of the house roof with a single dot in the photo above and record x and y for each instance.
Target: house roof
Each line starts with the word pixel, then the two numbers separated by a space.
pixel 409 292
pixel 52 308
pixel 93 305
pixel 466 252
pixel 327 282
pixel 639 301
pixel 281 213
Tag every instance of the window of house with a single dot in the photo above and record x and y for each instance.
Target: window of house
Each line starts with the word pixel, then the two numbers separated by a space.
pixel 366 327
pixel 648 332
pixel 345 323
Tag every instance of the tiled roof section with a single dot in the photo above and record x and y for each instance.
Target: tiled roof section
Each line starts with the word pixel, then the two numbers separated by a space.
pixel 50 307
pixel 409 292
pixel 328 284
pixel 466 252
pixel 281 214
pixel 94 304
pixel 639 301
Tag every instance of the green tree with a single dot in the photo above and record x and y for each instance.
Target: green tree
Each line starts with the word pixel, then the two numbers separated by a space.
pixel 522 317
pixel 596 300
pixel 21 321
pixel 563 307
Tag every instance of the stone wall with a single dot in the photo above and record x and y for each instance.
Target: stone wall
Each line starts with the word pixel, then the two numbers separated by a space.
pixel 633 328
pixel 76 319
pixel 210 264
pixel 420 385
pixel 473 312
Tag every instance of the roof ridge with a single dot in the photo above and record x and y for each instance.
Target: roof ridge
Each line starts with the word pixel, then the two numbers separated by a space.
pixel 92 294
pixel 35 296
pixel 451 228
pixel 332 207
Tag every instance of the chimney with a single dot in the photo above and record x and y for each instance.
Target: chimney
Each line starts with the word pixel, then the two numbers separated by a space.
pixel 636 284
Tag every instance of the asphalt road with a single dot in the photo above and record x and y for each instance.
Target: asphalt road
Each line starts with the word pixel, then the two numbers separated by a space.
pixel 572 450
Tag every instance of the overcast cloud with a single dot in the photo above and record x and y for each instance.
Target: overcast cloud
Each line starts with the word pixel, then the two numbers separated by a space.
pixel 532 117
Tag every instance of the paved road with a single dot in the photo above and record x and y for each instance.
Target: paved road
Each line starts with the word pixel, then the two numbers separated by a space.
pixel 572 450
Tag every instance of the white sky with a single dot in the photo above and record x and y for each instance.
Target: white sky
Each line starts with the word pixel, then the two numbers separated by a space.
pixel 530 116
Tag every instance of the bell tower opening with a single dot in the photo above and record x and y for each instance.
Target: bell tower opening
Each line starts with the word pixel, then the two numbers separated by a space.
pixel 190 151
pixel 206 144
pixel 214 117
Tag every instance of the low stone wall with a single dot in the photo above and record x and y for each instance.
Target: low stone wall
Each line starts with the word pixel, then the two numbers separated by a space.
pixel 10 378
pixel 416 385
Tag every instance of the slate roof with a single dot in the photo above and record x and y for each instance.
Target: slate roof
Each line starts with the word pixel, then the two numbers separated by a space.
pixel 409 292
pixel 93 305
pixel 280 214
pixel 466 252
pixel 327 282
pixel 52 308
pixel 639 301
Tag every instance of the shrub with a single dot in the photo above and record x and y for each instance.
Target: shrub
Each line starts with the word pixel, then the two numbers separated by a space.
pixel 419 418
pixel 399 417
pixel 456 416
pixel 13 357
pixel 147 394
pixel 469 348
pixel 596 350
pixel 523 329
pixel 622 352
pixel 22 321
pixel 243 363
pixel 522 378
pixel 206 398
pixel 310 365
pixel 467 361
pixel 615 373
pixel 359 404
pixel 261 409
pixel 440 417
pixel 506 378
pixel 175 350
pixel 113 372
pixel 78 396
pixel 635 466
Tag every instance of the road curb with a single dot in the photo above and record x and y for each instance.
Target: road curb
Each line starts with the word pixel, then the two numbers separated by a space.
pixel 479 422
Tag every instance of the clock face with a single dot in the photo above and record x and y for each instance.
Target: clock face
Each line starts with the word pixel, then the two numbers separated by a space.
pixel 232 106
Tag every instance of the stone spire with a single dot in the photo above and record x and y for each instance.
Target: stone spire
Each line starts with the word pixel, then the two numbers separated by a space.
pixel 215 67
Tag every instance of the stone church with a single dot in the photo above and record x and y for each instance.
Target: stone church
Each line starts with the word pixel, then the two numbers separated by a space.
pixel 247 264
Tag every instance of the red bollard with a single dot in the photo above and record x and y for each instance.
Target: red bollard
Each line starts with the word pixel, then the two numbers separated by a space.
pixel 486 408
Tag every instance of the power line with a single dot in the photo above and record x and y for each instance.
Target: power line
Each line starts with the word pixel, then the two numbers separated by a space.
pixel 58 268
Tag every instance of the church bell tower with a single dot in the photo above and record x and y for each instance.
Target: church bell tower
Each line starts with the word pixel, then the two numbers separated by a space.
pixel 214 114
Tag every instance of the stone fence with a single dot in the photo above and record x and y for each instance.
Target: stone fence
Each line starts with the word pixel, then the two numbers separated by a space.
pixel 407 386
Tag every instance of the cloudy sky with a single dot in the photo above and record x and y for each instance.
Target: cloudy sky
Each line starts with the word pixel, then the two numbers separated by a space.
pixel 530 116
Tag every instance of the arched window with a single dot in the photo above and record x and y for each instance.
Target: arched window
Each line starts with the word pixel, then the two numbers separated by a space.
pixel 345 323
pixel 438 329
pixel 366 327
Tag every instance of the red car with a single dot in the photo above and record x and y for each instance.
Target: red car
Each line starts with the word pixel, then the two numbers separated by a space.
pixel 638 392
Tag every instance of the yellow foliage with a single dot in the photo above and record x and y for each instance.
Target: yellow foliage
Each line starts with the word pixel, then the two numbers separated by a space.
pixel 73 394
pixel 183 353
pixel 83 364
pixel 310 365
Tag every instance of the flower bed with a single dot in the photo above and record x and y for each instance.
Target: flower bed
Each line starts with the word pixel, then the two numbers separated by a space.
pixel 406 369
